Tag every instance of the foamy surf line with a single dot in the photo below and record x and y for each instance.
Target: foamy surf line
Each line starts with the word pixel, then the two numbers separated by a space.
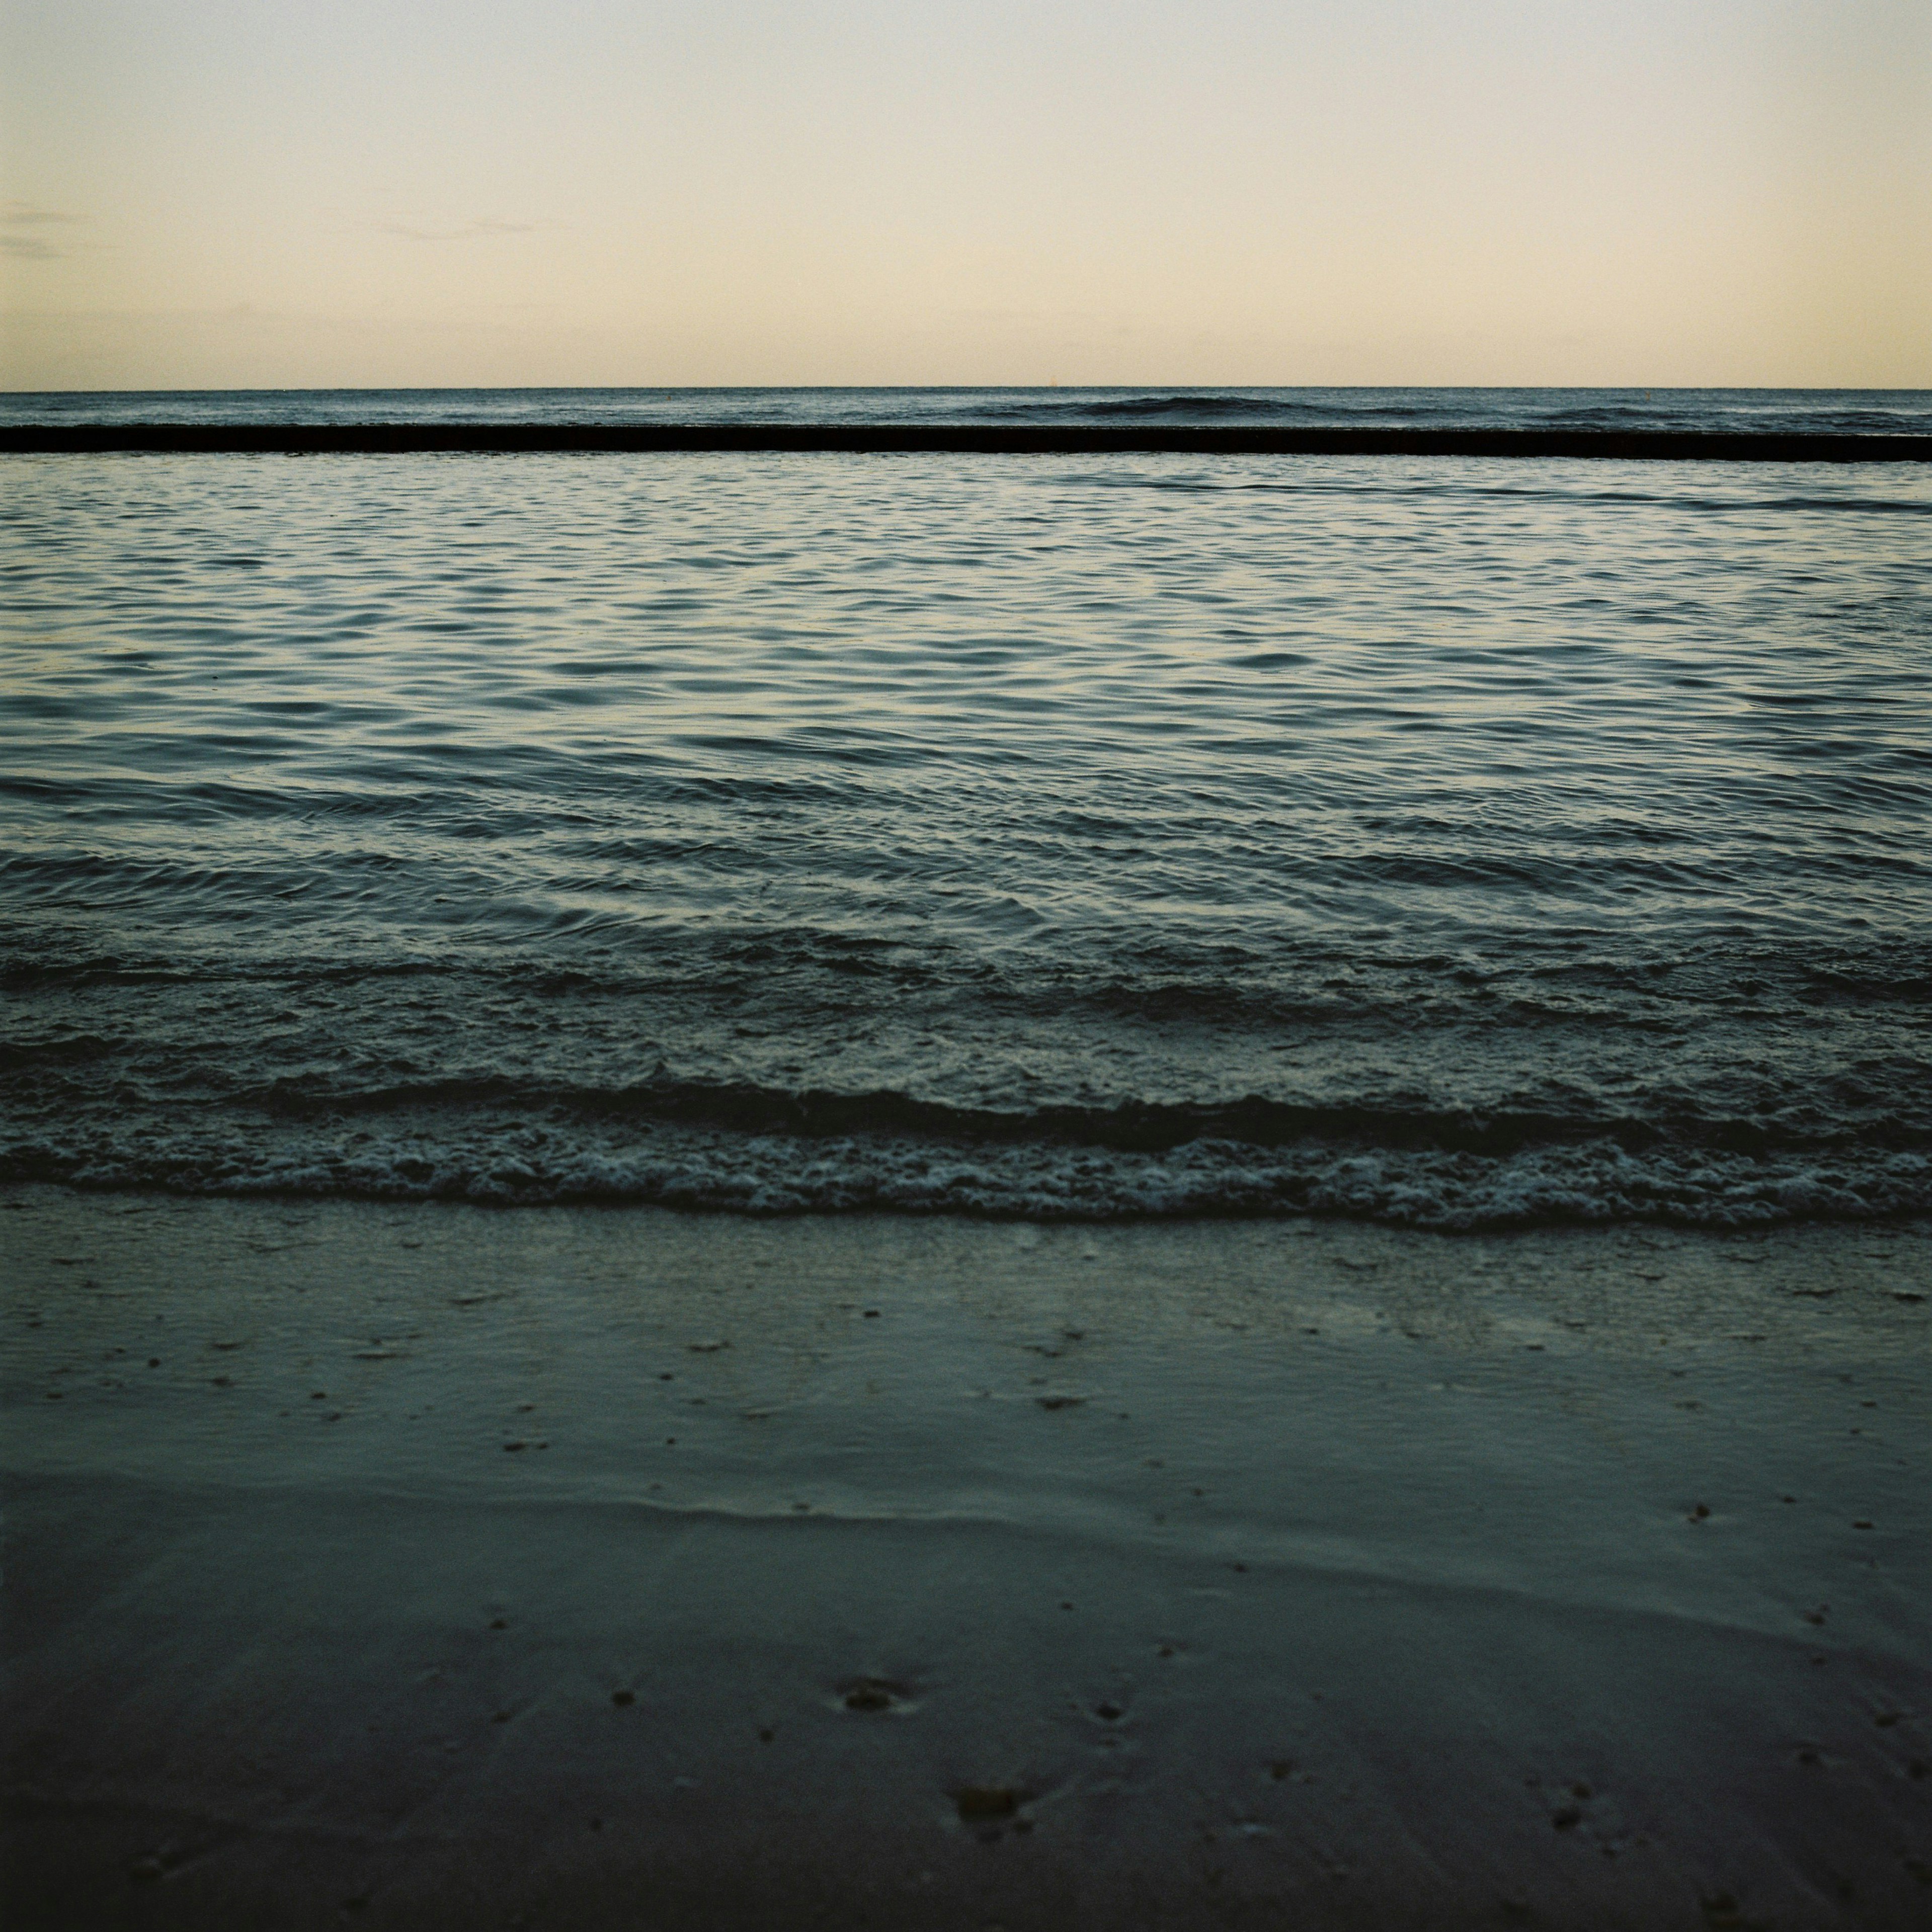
pixel 1139 438
pixel 438 1568
pixel 528 1158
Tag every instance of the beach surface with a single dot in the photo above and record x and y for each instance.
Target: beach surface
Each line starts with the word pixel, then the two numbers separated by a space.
pixel 434 1565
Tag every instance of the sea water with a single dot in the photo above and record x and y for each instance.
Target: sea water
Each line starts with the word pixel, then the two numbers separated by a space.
pixel 1454 842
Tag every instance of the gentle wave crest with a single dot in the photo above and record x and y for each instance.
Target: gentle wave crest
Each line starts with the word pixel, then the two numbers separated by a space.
pixel 504 1159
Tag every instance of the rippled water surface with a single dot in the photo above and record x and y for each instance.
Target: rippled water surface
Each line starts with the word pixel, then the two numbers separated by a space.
pixel 1460 842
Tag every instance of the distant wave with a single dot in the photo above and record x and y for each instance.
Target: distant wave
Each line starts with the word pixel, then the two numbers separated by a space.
pixel 1189 408
pixel 1319 409
pixel 1418 408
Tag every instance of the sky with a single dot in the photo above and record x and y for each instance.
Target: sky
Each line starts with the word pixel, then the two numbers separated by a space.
pixel 223 193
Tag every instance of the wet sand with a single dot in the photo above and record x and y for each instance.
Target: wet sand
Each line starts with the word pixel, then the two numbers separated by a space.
pixel 437 1567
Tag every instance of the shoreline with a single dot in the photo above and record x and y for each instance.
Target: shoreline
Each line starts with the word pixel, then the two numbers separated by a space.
pixel 613 1566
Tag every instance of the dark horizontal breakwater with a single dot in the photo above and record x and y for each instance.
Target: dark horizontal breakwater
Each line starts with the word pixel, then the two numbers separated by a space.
pixel 1019 440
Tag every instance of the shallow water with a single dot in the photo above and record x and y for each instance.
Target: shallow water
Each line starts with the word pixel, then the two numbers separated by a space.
pixel 1449 842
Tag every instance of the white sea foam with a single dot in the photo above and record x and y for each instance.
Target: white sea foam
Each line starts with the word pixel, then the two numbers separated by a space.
pixel 1592 1181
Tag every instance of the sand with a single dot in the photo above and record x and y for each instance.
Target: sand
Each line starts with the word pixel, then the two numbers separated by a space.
pixel 435 1566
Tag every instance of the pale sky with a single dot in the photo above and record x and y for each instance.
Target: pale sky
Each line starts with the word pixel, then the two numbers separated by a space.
pixel 216 194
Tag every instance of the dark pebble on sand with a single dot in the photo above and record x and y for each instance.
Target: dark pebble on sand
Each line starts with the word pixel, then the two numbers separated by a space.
pixel 1107 1714
pixel 986 1801
pixel 621 1698
pixel 869 1696
pixel 1567 1819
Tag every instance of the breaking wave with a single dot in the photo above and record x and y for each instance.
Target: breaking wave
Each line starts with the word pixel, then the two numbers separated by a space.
pixel 743 1150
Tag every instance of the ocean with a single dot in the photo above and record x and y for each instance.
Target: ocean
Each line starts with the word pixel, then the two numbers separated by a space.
pixel 1464 844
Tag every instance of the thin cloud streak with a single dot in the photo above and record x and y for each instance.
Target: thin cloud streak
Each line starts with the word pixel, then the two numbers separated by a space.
pixel 486 229
pixel 31 247
pixel 29 215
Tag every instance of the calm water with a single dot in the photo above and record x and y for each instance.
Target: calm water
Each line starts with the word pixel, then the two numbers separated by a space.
pixel 1456 842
